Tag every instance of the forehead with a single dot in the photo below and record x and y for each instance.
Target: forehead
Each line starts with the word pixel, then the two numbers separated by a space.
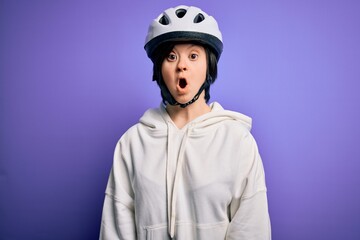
pixel 188 46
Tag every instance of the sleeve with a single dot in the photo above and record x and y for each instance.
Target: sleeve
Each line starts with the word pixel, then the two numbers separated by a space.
pixel 249 209
pixel 118 220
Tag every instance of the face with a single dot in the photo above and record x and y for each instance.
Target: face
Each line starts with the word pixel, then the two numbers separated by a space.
pixel 184 71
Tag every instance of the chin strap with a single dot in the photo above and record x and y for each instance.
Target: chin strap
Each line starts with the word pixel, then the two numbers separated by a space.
pixel 173 102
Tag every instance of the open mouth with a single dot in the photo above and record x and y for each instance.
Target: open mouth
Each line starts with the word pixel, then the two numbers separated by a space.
pixel 182 83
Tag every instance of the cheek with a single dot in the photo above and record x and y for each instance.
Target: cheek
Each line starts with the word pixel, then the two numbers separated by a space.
pixel 166 73
pixel 202 72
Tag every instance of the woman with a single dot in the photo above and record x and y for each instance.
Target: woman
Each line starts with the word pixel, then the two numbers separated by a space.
pixel 187 170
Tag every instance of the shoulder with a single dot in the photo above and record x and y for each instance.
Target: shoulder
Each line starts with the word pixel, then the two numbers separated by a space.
pixel 234 122
pixel 151 123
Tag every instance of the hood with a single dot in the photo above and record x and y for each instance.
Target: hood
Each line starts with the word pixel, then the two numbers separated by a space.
pixel 157 119
pixel 158 122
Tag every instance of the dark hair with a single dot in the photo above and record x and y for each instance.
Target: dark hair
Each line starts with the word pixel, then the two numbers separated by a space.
pixel 163 51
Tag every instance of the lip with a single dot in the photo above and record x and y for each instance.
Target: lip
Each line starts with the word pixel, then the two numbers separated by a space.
pixel 182 85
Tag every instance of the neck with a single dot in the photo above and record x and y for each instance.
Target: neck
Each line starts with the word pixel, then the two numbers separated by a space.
pixel 182 116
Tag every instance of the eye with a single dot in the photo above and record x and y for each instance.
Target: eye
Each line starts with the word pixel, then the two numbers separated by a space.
pixel 193 56
pixel 171 57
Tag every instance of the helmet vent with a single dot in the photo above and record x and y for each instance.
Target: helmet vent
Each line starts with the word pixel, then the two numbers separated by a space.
pixel 164 20
pixel 199 18
pixel 180 12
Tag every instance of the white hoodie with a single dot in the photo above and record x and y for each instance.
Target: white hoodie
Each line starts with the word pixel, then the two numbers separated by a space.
pixel 204 181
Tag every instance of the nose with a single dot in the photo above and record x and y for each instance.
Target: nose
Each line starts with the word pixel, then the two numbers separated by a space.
pixel 182 65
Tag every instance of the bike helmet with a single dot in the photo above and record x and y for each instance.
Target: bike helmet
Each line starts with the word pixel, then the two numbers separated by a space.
pixel 184 23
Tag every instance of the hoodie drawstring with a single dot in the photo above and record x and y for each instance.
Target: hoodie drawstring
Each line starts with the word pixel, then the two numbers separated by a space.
pixel 172 182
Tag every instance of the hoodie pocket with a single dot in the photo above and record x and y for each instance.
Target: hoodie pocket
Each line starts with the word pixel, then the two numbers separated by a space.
pixel 211 231
pixel 189 231
pixel 157 232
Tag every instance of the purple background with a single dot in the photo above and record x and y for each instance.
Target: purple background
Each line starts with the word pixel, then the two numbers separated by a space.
pixel 74 76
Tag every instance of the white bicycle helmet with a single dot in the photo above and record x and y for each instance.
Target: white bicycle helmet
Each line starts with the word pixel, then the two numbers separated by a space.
pixel 184 23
